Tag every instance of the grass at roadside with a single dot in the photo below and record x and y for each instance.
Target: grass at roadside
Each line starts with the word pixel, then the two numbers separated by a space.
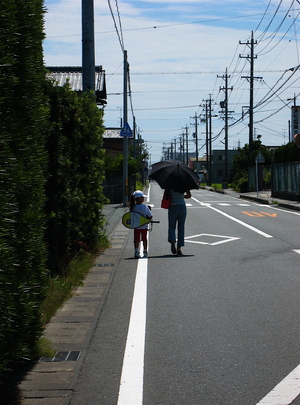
pixel 60 289
pixel 217 186
pixel 44 348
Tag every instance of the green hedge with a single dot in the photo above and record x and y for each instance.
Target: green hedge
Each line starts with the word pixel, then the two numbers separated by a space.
pixel 74 177
pixel 51 171
pixel 22 177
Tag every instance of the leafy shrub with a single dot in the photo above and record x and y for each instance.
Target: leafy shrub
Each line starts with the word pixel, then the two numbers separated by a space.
pixel 75 174
pixel 287 153
pixel 22 155
pixel 240 184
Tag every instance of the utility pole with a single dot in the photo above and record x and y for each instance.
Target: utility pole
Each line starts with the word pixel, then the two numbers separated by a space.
pixel 224 106
pixel 88 46
pixel 125 138
pixel 134 138
pixel 196 139
pixel 251 78
pixel 134 147
pixel 175 152
pixel 208 121
pixel 207 143
pixel 182 148
pixel 187 144
pixel 205 119
pixel 210 141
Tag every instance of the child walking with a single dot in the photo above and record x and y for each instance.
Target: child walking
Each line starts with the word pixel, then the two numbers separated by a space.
pixel 140 234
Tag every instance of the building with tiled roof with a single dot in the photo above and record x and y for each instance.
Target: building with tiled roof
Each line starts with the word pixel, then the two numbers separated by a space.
pixel 73 74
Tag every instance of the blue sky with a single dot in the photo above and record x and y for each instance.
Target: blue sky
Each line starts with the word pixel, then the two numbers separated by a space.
pixel 176 51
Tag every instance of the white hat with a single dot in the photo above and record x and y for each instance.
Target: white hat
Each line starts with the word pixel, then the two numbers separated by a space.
pixel 138 194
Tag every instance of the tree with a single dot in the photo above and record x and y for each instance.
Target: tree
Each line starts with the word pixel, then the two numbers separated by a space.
pixel 287 153
pixel 242 161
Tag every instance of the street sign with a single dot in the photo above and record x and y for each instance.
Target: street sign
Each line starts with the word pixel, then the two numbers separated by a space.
pixel 260 158
pixel 126 131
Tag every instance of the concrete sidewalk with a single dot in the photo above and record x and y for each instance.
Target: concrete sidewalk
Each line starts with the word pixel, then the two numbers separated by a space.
pixel 264 197
pixel 51 380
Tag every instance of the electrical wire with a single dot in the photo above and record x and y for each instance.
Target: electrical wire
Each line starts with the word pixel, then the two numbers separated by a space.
pixel 235 76
pixel 259 24
pixel 261 53
pixel 267 97
pixel 120 24
pixel 120 35
pixel 270 23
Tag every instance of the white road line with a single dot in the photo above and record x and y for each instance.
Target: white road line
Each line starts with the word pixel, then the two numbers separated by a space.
pixel 223 239
pixel 235 219
pixel 149 189
pixel 285 392
pixel 131 384
pixel 281 209
pixel 296 250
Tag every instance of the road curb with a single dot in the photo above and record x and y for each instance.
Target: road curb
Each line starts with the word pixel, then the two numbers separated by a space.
pixel 287 204
pixel 256 199
pixel 51 381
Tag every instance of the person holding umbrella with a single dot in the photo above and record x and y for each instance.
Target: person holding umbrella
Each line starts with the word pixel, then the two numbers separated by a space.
pixel 177 179
pixel 176 219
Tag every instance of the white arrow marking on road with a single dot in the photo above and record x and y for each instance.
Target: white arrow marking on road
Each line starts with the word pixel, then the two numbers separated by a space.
pixel 224 239
pixel 297 251
pixel 235 219
pixel 285 392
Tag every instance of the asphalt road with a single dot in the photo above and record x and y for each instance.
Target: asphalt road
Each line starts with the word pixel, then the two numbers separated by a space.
pixel 217 326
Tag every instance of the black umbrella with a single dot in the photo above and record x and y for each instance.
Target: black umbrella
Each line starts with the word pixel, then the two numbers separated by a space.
pixel 172 174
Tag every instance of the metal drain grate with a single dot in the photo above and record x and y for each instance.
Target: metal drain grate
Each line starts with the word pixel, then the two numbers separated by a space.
pixel 62 356
pixel 105 265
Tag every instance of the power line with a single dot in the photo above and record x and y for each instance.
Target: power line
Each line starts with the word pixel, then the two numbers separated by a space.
pixel 189 73
pixel 272 19
pixel 264 14
pixel 120 34
pixel 120 24
pixel 164 26
pixel 274 46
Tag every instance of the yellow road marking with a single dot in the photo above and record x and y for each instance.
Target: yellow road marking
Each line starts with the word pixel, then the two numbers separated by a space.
pixel 259 214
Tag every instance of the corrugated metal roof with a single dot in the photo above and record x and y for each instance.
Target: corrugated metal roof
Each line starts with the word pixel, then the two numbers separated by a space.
pixel 73 74
pixel 111 133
